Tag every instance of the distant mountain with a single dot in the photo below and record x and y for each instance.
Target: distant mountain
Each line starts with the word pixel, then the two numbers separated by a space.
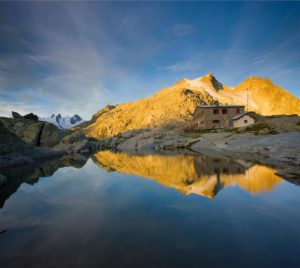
pixel 178 102
pixel 63 122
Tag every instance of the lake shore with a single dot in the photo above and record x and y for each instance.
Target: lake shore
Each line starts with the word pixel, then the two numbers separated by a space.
pixel 280 150
pixel 25 142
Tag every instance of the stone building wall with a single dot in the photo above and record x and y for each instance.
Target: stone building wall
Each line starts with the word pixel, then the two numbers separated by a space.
pixel 244 121
pixel 208 118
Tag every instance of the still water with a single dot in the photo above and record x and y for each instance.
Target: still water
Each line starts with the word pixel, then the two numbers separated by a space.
pixel 119 210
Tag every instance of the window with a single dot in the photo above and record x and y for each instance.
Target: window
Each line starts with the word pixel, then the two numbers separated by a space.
pixel 224 111
pixel 238 110
pixel 216 111
pixel 245 121
pixel 216 121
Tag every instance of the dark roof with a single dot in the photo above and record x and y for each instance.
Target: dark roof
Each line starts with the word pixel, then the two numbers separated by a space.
pixel 241 115
pixel 220 106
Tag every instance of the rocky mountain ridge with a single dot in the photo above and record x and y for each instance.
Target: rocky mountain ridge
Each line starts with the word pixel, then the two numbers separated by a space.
pixel 176 104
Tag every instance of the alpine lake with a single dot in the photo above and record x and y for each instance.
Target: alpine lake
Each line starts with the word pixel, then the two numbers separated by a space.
pixel 148 210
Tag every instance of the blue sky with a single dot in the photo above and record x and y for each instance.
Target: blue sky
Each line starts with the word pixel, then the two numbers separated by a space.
pixel 76 57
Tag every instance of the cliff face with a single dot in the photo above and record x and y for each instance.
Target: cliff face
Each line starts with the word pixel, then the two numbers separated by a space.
pixel 177 103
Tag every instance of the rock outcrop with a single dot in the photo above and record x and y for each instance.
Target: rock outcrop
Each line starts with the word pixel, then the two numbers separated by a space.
pixel 176 104
pixel 76 142
pixel 31 116
pixel 25 141
pixel 35 133
pixel 19 142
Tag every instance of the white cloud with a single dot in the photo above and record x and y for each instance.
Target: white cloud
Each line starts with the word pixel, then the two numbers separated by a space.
pixel 7 107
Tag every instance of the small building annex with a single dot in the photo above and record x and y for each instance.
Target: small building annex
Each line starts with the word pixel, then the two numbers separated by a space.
pixel 242 120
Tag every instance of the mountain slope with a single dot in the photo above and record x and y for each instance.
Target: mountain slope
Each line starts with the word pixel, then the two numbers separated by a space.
pixel 178 102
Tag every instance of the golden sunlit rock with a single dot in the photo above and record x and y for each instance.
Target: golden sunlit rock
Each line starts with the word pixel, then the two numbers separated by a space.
pixel 177 103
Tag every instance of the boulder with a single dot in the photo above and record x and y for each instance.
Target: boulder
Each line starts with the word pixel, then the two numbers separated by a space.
pixel 51 135
pixel 73 137
pixel 76 142
pixel 34 133
pixel 27 130
pixel 82 146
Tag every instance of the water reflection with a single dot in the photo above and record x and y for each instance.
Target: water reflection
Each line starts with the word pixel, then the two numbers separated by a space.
pixel 120 220
pixel 192 174
pixel 31 174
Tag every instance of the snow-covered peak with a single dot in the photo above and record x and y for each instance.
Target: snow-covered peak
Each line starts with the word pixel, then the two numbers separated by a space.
pixel 63 122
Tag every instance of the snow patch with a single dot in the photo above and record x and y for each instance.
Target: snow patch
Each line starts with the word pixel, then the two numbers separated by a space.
pixel 63 122
pixel 196 83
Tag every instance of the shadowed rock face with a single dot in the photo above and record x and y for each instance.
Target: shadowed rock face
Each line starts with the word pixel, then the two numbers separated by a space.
pixel 30 174
pixel 26 141
pixel 189 174
pixel 32 132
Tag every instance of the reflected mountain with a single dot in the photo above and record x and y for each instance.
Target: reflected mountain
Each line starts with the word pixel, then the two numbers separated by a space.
pixel 31 174
pixel 192 174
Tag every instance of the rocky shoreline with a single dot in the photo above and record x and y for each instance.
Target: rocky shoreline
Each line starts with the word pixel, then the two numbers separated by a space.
pixel 24 140
pixel 280 150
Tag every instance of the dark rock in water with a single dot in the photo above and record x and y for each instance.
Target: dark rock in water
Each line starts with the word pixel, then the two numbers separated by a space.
pixel 31 116
pixel 2 231
pixel 3 180
pixel 16 115
pixel 291 174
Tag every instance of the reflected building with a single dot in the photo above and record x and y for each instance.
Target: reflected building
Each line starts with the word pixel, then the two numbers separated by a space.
pixel 192 174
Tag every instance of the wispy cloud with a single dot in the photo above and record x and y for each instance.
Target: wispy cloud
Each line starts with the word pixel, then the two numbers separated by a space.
pixel 182 29
pixel 72 57
pixel 180 66
pixel 76 59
